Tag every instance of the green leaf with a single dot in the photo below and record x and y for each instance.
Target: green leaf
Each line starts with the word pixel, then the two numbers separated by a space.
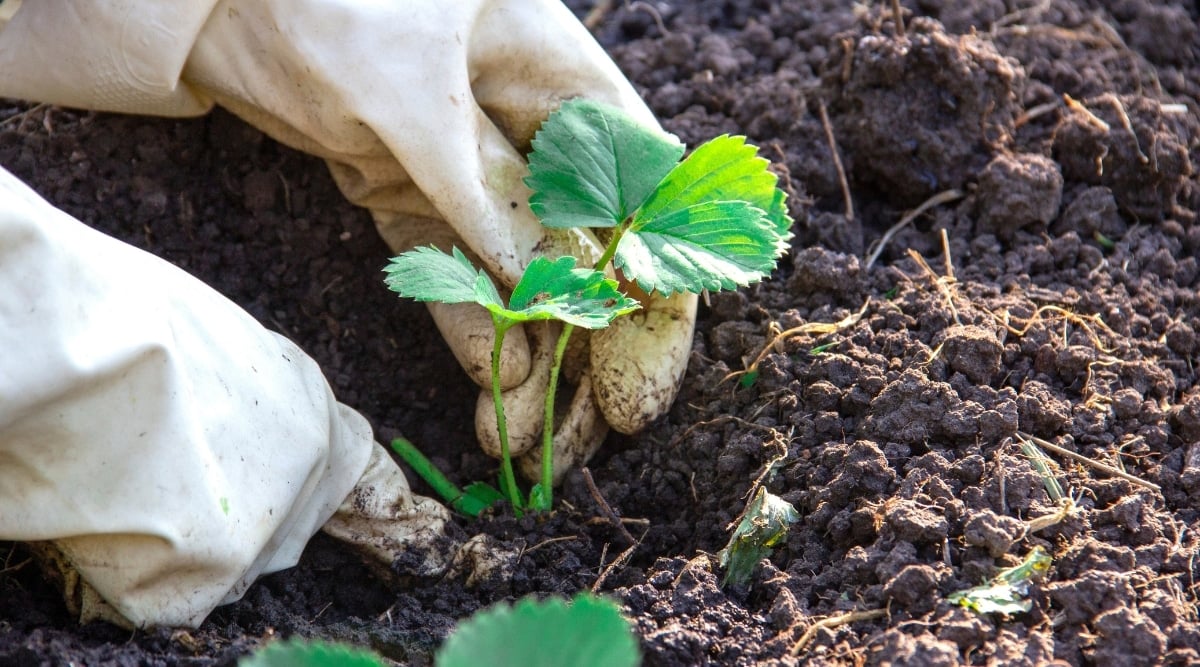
pixel 428 274
pixel 477 497
pixel 301 653
pixel 722 169
pixel 710 245
pixel 593 165
pixel 993 599
pixel 588 632
pixel 555 289
pixel 548 289
pixel 763 525
pixel 1005 593
pixel 748 378
pixel 537 499
pixel 821 349
pixel 716 221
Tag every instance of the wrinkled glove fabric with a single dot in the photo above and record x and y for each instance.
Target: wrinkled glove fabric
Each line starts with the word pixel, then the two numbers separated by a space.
pixel 170 446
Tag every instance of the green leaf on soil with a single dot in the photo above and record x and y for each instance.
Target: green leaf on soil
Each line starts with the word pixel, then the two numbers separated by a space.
pixel 302 653
pixel 748 378
pixel 763 525
pixel 593 165
pixel 1005 593
pixel 477 497
pixel 587 632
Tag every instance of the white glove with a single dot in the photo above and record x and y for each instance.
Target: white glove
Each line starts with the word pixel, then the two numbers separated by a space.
pixel 422 109
pixel 171 447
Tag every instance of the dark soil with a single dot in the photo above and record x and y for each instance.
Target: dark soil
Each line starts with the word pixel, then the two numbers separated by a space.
pixel 1058 296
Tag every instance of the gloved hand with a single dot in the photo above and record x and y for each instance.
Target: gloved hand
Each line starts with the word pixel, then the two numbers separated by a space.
pixel 159 445
pixel 422 109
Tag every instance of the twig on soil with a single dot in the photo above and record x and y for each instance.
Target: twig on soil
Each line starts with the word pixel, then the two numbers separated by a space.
pixel 605 508
pixel 597 520
pixel 1021 15
pixel 947 259
pixel 1085 322
pixel 13 568
pixel 1002 480
pixel 847 58
pixel 21 117
pixel 603 7
pixel 1078 107
pixel 940 198
pixel 834 622
pixel 804 329
pixel 837 160
pixel 942 283
pixel 1058 33
pixel 320 613
pixel 1066 507
pixel 1036 112
pixel 596 16
pixel 1102 467
pixel 618 562
pixel 1096 397
pixel 1125 123
pixel 898 17
pixel 545 543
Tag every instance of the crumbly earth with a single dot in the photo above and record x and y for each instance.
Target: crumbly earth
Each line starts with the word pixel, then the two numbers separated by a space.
pixel 1050 288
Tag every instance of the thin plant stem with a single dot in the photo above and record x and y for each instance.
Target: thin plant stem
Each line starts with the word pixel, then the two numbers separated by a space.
pixel 560 348
pixel 427 471
pixel 611 250
pixel 548 423
pixel 506 467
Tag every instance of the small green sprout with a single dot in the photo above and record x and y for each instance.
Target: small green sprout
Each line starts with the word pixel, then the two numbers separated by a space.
pixel 715 220
pixel 762 526
pixel 587 632
pixel 1005 593
pixel 748 378
pixel 821 349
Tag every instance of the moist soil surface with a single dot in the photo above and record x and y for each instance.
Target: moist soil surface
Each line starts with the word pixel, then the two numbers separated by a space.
pixel 1008 248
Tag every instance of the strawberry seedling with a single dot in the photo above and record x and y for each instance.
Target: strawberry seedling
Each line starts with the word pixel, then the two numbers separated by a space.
pixel 715 220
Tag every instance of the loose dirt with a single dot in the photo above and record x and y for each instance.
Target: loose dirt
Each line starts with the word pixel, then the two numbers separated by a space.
pixel 1051 289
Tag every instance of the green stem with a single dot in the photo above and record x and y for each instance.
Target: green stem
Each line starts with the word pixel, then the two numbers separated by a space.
pixel 506 467
pixel 611 250
pixel 428 472
pixel 548 422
